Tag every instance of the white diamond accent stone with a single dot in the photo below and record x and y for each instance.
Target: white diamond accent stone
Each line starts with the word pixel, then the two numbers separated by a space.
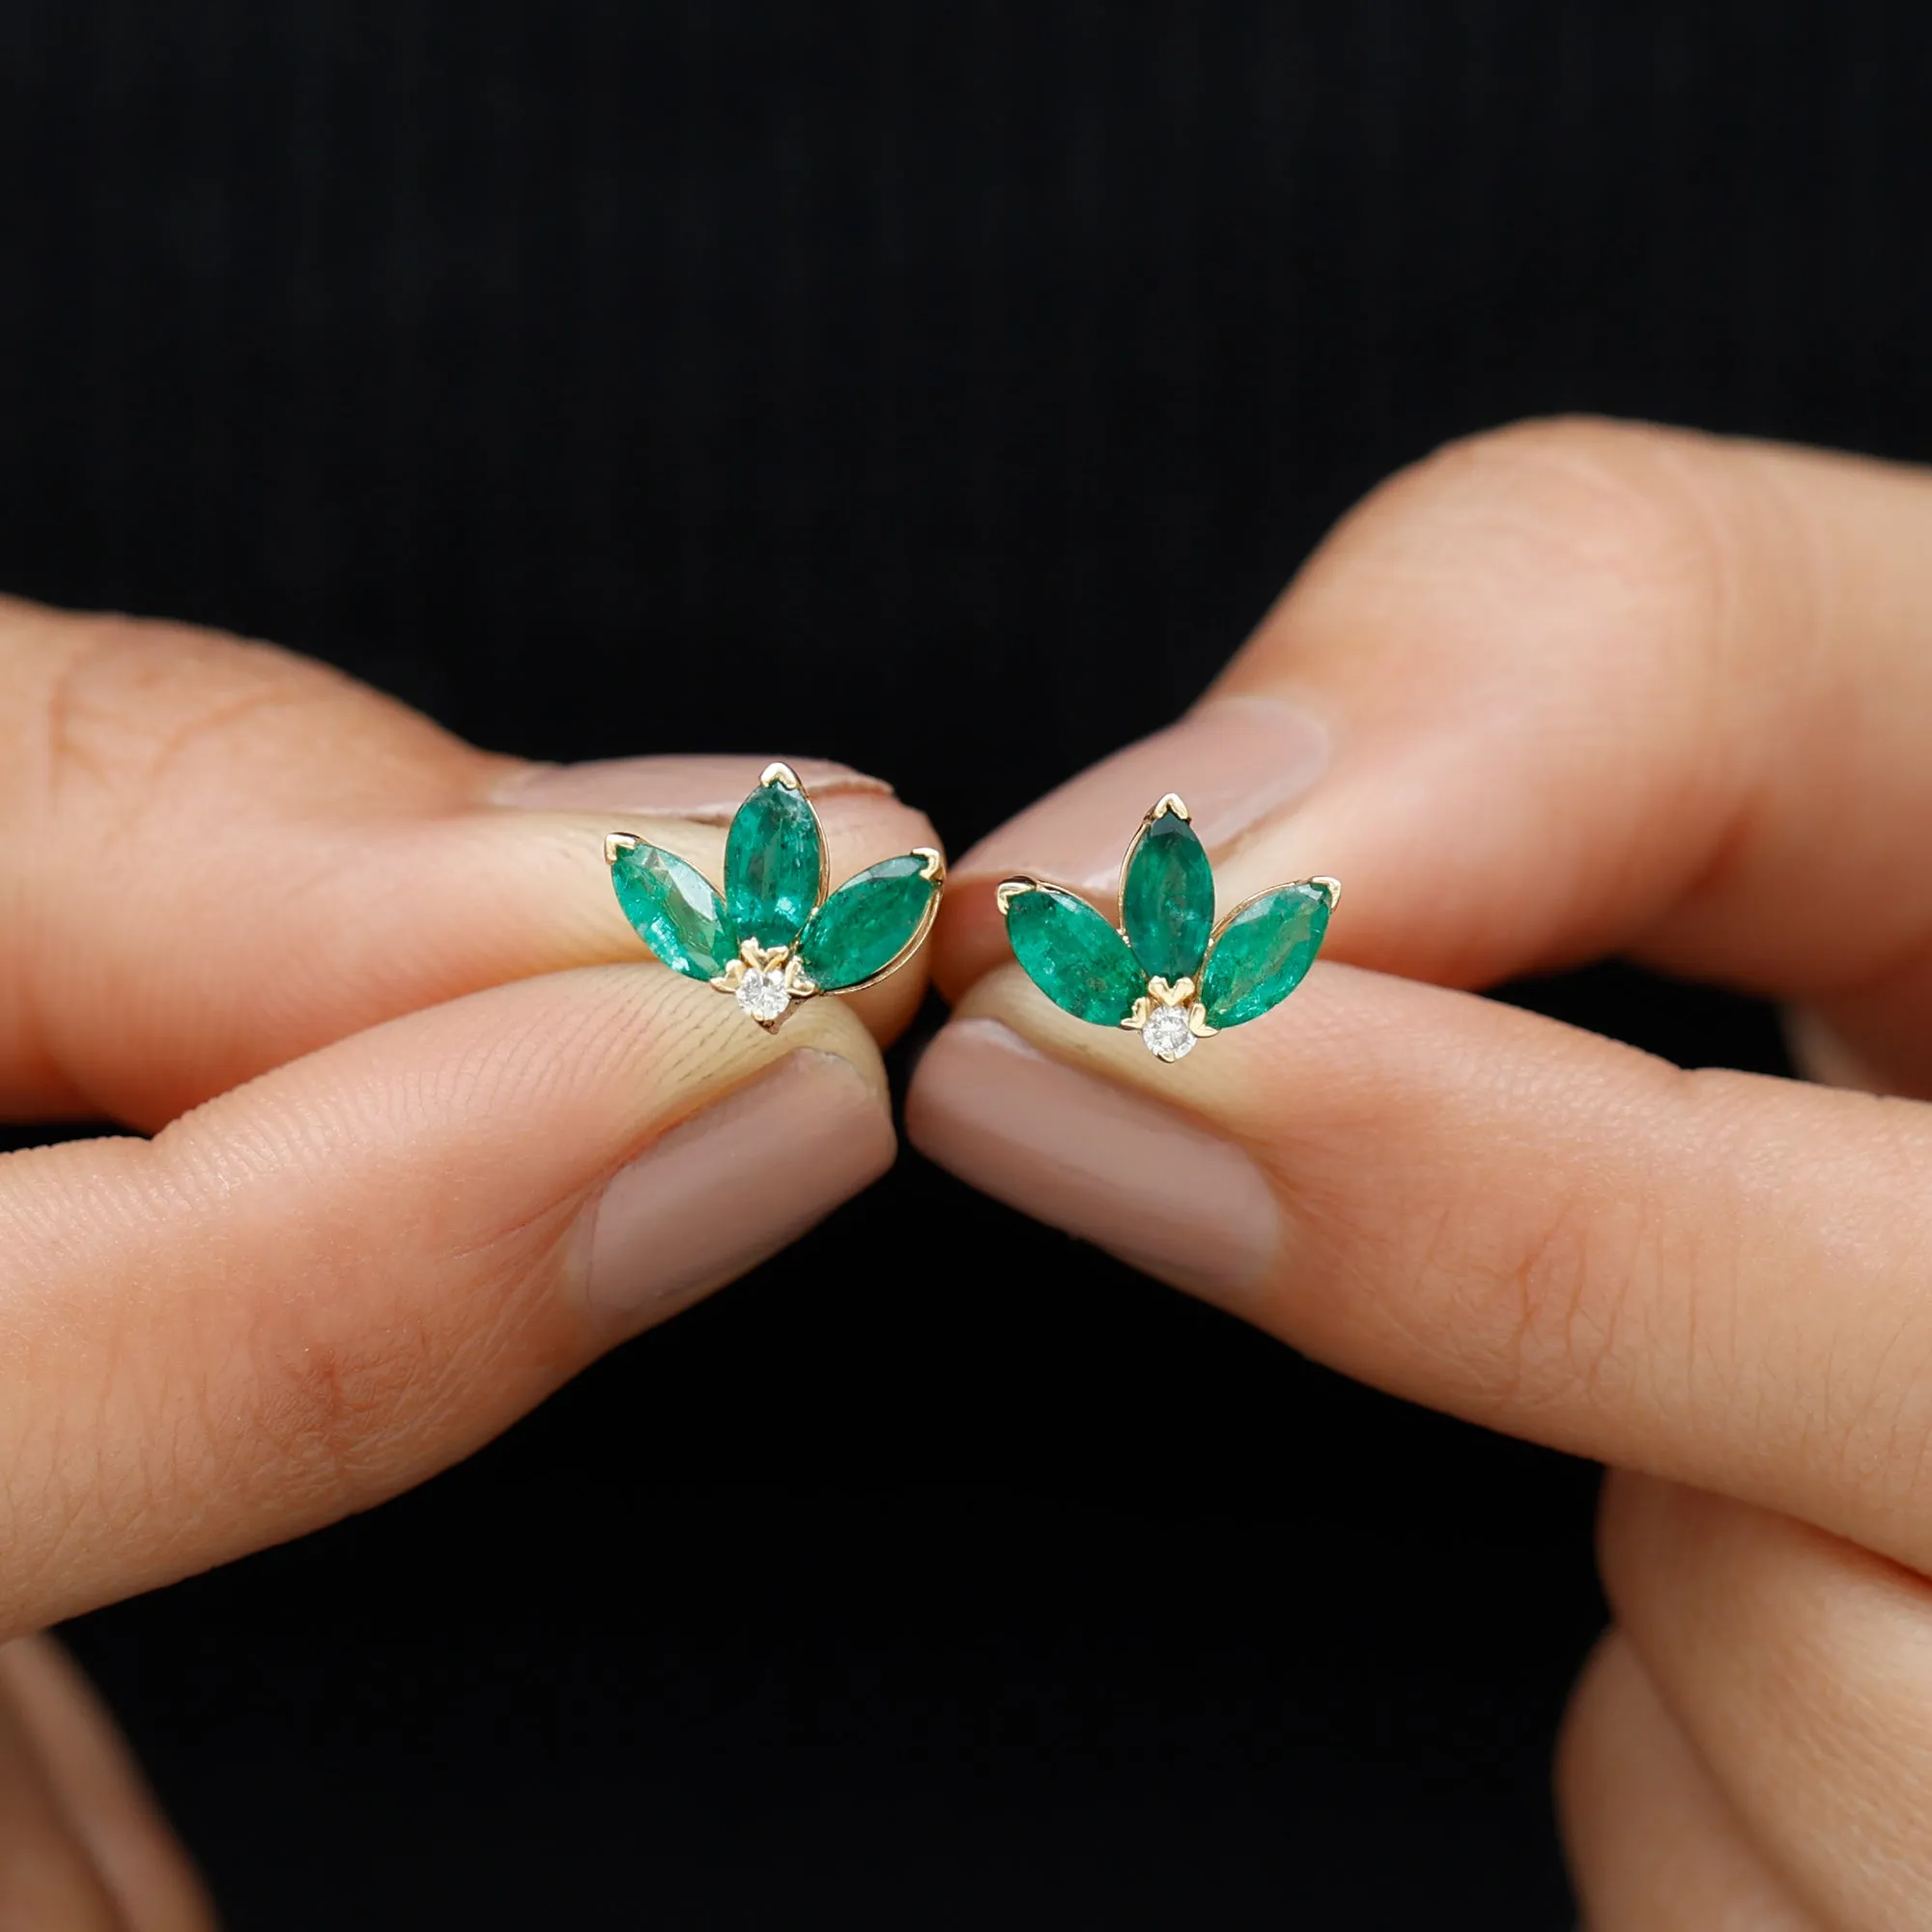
pixel 762 994
pixel 1167 1034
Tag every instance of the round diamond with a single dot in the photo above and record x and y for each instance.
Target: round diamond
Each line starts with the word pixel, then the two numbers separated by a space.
pixel 762 994
pixel 1167 1032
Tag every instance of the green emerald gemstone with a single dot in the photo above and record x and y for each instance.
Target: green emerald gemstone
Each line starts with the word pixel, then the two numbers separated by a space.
pixel 1262 953
pixel 674 910
pixel 772 871
pixel 1167 899
pixel 866 924
pixel 1073 955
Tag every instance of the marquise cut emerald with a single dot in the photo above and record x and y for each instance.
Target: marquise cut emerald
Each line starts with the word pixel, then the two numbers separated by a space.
pixel 674 910
pixel 1262 953
pixel 1072 954
pixel 867 923
pixel 1167 898
pixel 773 865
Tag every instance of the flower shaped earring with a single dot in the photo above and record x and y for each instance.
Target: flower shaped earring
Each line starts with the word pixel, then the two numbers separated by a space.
pixel 1163 973
pixel 775 938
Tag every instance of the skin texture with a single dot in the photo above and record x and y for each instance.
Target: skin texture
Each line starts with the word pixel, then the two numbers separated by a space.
pixel 430 1131
pixel 1626 691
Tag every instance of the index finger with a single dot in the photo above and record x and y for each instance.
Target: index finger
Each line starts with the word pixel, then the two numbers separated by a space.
pixel 1564 690
pixel 216 857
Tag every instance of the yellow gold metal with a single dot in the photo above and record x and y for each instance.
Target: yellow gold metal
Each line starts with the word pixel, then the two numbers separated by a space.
pixel 799 984
pixel 1159 993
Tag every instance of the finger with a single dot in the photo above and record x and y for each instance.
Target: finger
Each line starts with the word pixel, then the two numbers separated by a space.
pixel 47 1881
pixel 216 857
pixel 1653 1846
pixel 1707 1275
pixel 318 1289
pixel 101 1790
pixel 1801 1669
pixel 1570 689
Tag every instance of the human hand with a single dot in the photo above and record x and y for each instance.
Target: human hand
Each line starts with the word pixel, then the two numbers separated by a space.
pixel 1564 691
pixel 423 1147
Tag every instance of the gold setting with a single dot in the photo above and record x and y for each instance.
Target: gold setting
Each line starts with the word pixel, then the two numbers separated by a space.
pixel 1159 993
pixel 798 985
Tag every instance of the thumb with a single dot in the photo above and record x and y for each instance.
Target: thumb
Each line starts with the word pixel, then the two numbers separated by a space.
pixel 321 1287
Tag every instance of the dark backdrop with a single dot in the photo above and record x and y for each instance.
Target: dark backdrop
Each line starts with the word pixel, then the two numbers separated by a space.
pixel 517 356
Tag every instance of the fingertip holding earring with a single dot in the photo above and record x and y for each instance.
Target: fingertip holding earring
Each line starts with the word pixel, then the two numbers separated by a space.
pixel 1167 970
pixel 775 937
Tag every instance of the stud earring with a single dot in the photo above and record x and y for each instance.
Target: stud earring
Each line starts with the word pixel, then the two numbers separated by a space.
pixel 775 938
pixel 1167 972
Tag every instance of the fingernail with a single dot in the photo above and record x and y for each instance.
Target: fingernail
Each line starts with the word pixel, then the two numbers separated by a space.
pixel 698 787
pixel 1089 1157
pixel 1235 760
pixel 732 1185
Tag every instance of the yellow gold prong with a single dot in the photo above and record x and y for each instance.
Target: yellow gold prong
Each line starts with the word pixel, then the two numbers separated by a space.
pixel 934 868
pixel 1009 890
pixel 1331 889
pixel 1197 1022
pixel 615 842
pixel 779 773
pixel 1137 1015
pixel 1170 801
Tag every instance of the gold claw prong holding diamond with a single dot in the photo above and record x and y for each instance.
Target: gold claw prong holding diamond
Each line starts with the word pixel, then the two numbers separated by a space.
pixel 1197 1022
pixel 1137 1015
pixel 767 982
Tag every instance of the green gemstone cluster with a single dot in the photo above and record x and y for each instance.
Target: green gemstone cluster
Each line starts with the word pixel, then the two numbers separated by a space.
pixel 1167 970
pixel 774 937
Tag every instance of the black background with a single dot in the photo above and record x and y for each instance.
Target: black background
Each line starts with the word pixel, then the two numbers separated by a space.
pixel 539 361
